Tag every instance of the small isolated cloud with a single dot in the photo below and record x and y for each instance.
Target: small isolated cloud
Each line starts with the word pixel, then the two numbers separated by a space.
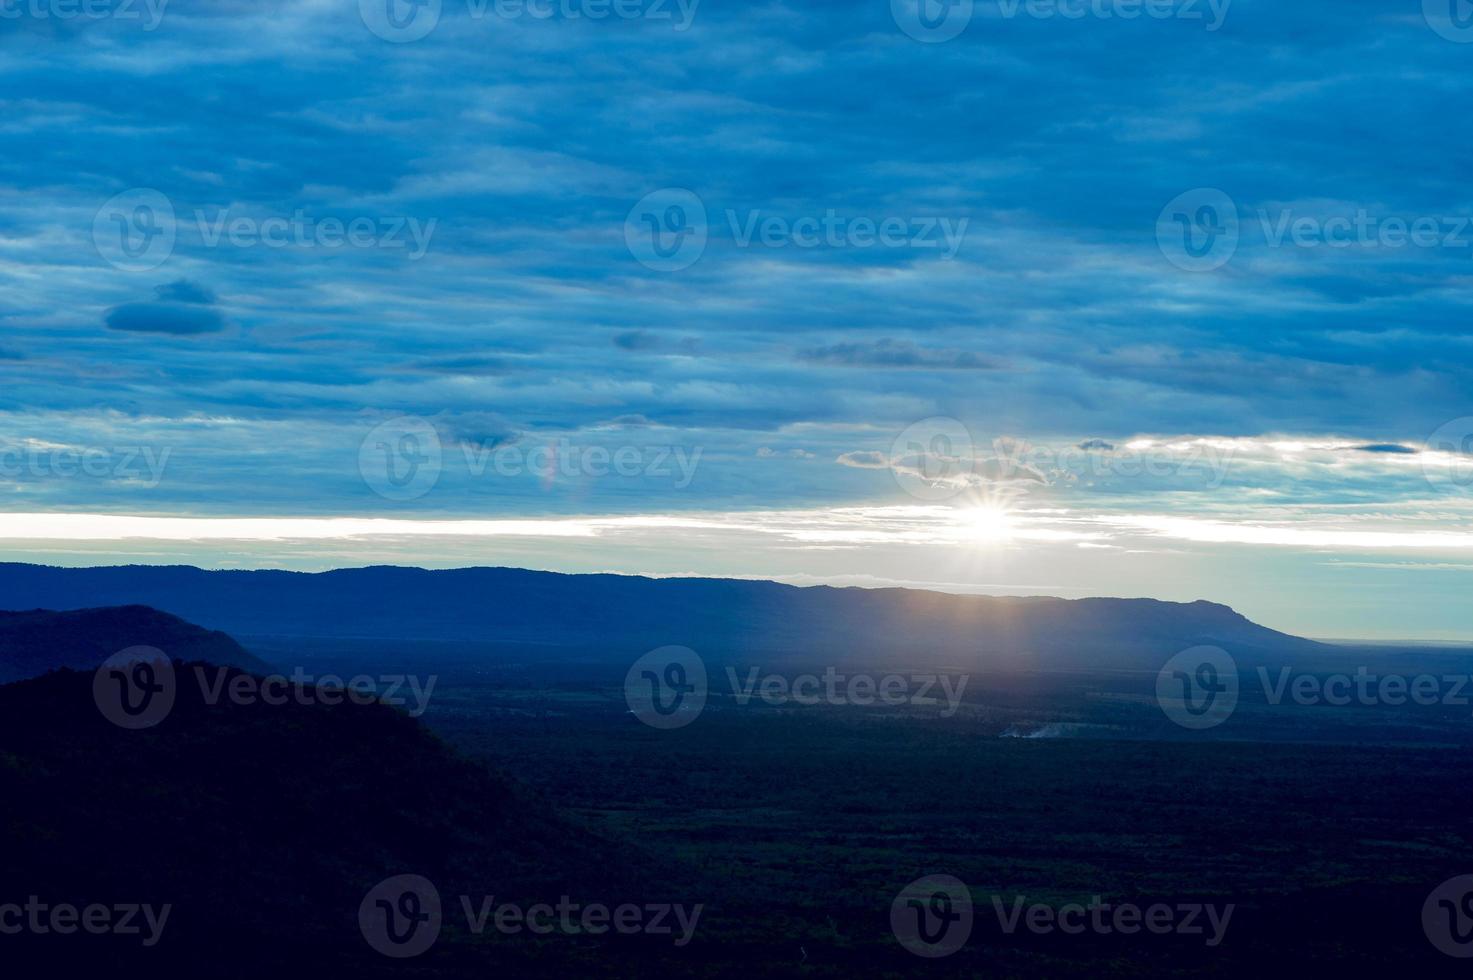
pixel 1387 447
pixel 626 422
pixel 767 452
pixel 180 308
pixel 184 291
pixel 476 430
pixel 466 364
pixel 637 340
pixel 897 354
pixel 1097 445
pixel 647 340
pixel 865 460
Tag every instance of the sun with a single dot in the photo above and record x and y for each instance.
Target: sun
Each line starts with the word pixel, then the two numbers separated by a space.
pixel 989 522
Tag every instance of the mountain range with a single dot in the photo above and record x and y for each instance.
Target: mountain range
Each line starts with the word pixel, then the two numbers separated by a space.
pixel 39 640
pixel 617 614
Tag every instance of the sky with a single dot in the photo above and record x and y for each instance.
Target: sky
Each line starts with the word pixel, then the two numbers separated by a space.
pixel 1087 297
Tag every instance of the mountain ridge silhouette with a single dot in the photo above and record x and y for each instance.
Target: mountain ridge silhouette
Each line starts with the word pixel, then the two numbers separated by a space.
pixel 740 617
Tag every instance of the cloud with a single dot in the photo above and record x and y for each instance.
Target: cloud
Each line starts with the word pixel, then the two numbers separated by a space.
pixel 183 291
pixel 897 354
pixel 864 460
pixel 1387 447
pixel 466 364
pixel 182 308
pixel 476 430
pixel 636 340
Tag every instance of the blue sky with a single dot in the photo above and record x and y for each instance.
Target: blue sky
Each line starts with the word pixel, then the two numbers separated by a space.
pixel 1073 302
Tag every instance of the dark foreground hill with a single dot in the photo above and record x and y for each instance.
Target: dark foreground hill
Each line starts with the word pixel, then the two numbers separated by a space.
pixel 263 827
pixel 617 614
pixel 31 643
